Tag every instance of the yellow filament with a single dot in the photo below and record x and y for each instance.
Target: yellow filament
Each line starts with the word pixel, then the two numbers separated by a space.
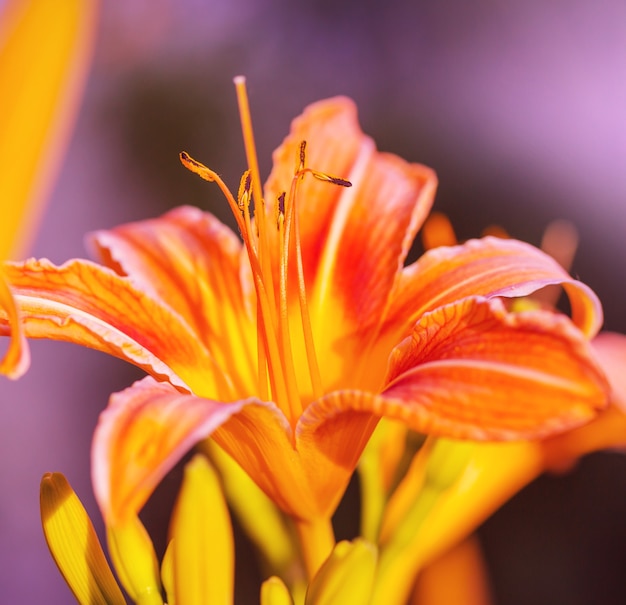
pixel 261 361
pixel 309 344
pixel 284 230
pixel 243 222
pixel 280 386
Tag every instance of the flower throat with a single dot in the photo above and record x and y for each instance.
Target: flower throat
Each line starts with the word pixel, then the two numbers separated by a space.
pixel 275 360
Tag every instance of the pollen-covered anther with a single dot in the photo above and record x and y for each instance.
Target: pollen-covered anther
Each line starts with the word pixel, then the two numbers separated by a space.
pixel 280 209
pixel 301 157
pixel 244 194
pixel 335 180
pixel 322 176
pixel 197 167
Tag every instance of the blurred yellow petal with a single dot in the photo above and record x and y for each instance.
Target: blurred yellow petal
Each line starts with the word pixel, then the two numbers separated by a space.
pixel 45 48
pixel 493 474
pixel 135 561
pixel 167 573
pixel 436 467
pixel 378 468
pixel 346 576
pixel 263 522
pixel 274 592
pixel 203 549
pixel 74 544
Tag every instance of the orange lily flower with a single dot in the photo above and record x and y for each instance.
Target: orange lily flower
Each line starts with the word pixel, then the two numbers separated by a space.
pixel 287 348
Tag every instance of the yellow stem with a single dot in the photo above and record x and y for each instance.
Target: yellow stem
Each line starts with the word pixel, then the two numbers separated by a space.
pixel 317 540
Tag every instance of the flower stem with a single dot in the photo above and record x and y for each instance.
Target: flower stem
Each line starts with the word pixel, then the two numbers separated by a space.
pixel 317 539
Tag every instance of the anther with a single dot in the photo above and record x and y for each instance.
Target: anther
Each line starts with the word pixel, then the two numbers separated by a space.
pixel 196 167
pixel 320 176
pixel 243 196
pixel 281 203
pixel 302 156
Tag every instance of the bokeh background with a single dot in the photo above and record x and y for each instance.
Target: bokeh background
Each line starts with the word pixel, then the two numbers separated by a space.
pixel 519 106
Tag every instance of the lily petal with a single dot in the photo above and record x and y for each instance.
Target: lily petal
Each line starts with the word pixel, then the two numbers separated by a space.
pixel 472 370
pixel 459 375
pixel 189 260
pixel 486 267
pixel 141 435
pixel 74 544
pixel 301 478
pixel 202 549
pixel 147 428
pixel 84 303
pixel 337 224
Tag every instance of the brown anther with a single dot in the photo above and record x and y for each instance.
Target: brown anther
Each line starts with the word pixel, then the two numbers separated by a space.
pixel 331 179
pixel 280 209
pixel 196 167
pixel 243 196
pixel 302 156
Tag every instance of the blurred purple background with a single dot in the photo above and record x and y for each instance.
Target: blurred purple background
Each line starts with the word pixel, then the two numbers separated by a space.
pixel 521 109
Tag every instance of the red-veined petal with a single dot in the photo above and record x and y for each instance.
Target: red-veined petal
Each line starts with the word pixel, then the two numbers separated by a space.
pixel 142 434
pixel 147 428
pixel 354 240
pixel 189 260
pixel 84 303
pixel 472 370
pixel 304 479
pixel 485 267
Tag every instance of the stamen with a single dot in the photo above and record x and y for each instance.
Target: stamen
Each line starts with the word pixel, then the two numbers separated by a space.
pixel 309 343
pixel 320 176
pixel 243 196
pixel 269 337
pixel 300 167
pixel 196 167
pixel 280 210
pixel 284 229
pixel 209 175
